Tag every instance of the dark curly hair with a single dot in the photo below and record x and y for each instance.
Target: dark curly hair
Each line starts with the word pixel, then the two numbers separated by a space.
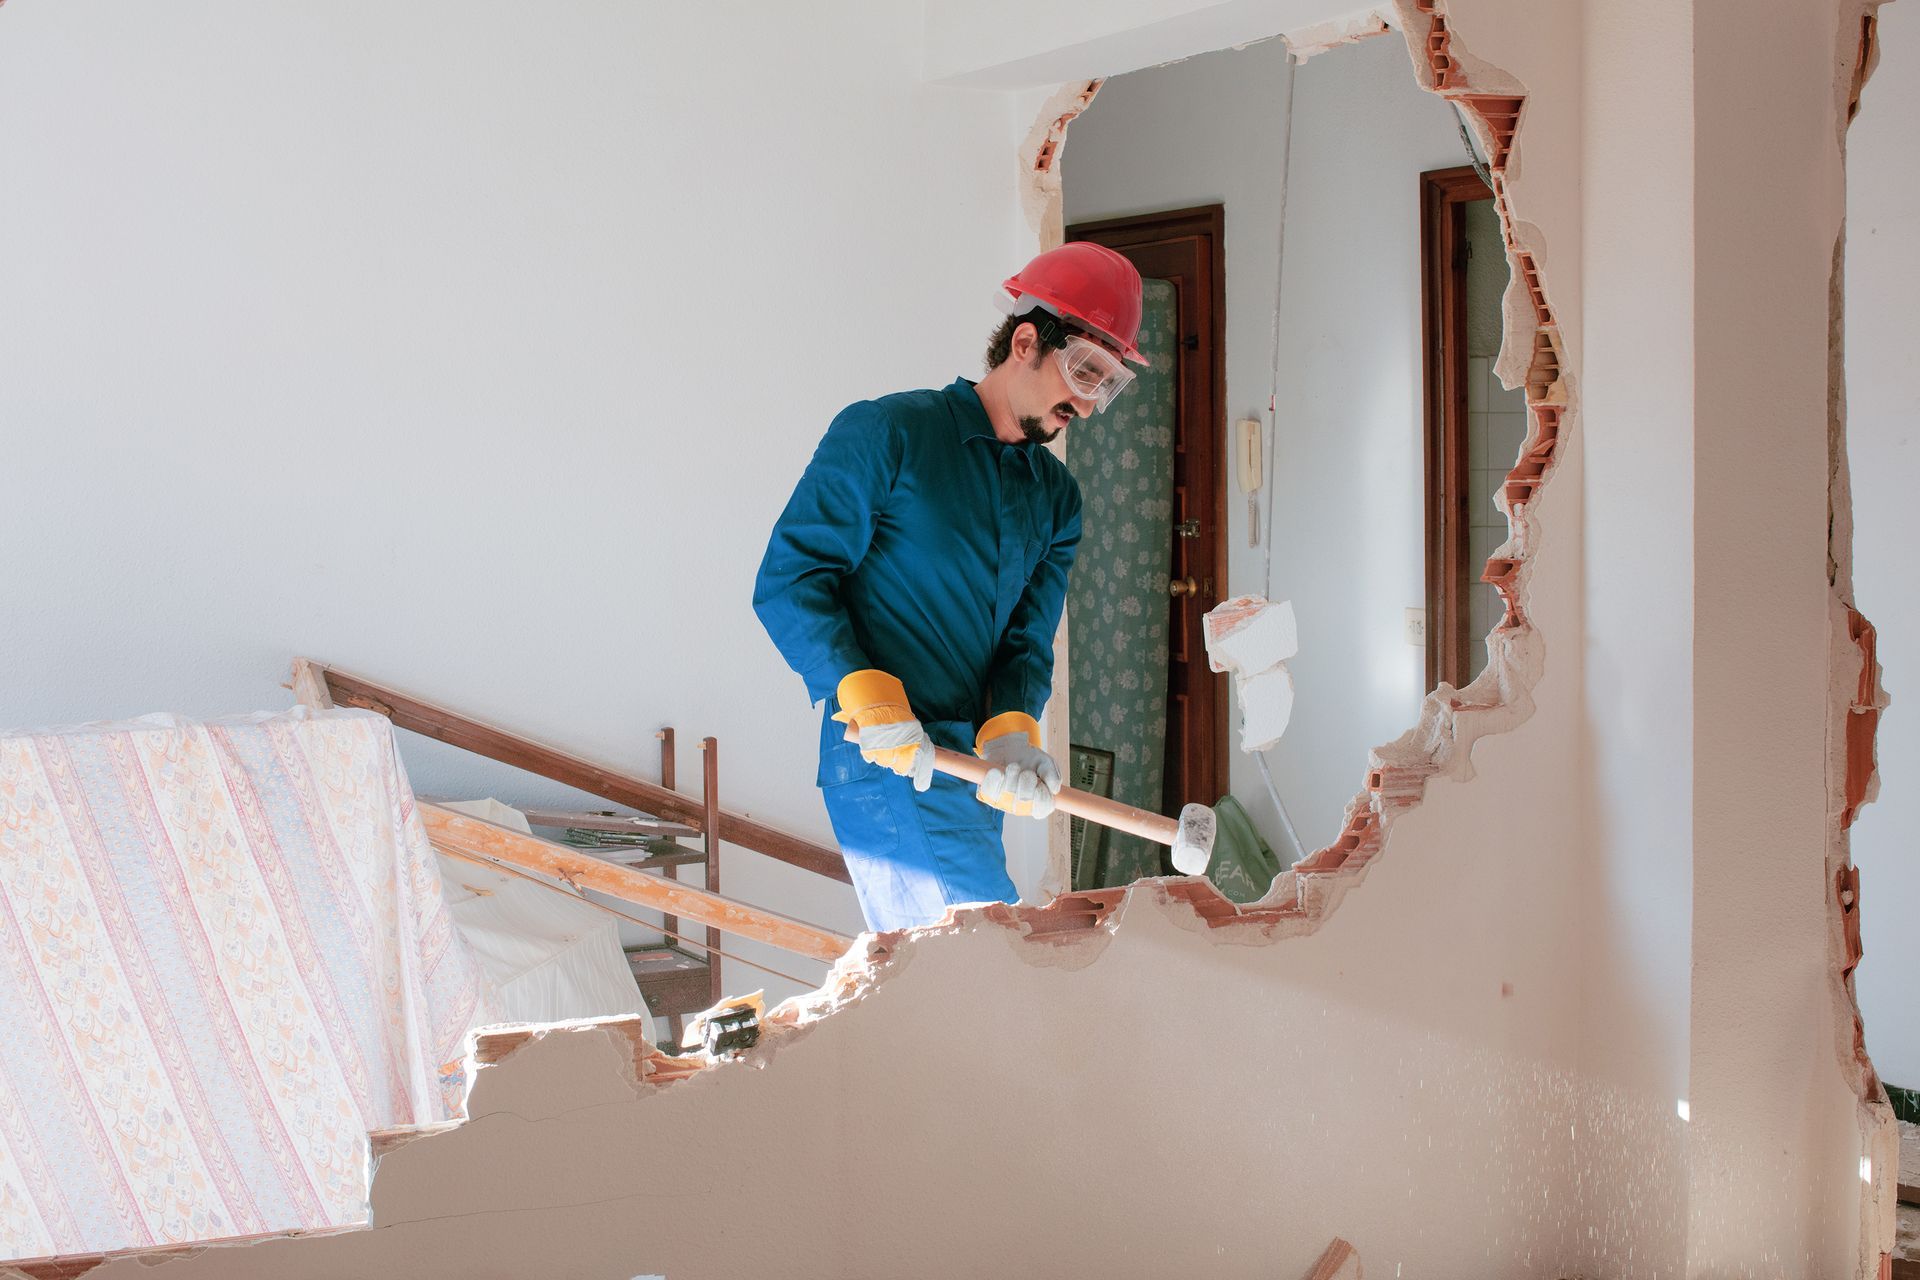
pixel 1053 332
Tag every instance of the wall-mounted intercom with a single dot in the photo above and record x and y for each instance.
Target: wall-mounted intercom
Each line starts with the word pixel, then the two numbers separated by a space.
pixel 1250 465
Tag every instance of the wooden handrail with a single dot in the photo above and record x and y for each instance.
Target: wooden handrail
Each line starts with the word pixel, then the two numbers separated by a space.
pixel 461 836
pixel 437 722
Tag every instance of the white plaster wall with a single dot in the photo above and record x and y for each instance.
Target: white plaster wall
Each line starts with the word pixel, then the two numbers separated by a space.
pixel 1775 1147
pixel 1636 388
pixel 1348 507
pixel 1002 1109
pixel 1883 421
pixel 470 349
pixel 1025 43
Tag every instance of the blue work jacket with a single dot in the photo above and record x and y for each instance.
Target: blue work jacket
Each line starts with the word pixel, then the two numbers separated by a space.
pixel 919 543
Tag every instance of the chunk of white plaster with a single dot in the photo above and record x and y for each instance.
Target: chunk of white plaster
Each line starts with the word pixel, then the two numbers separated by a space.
pixel 1249 634
pixel 1266 705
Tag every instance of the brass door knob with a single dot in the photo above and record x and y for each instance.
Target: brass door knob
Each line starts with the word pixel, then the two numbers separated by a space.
pixel 1183 587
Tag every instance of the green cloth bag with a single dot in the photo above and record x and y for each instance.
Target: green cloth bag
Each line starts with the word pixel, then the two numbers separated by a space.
pixel 1244 865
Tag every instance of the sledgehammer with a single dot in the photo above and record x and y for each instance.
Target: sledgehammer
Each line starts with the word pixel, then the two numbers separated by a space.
pixel 1190 835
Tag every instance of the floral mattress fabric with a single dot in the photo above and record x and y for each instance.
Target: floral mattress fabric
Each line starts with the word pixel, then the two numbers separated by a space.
pixel 225 956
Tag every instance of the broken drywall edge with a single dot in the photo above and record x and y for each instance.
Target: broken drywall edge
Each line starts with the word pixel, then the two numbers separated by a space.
pixel 1440 743
pixel 1855 702
pixel 1442 62
pixel 1039 157
pixel 1307 42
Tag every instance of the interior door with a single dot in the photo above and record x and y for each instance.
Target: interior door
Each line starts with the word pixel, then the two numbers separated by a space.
pixel 1184 248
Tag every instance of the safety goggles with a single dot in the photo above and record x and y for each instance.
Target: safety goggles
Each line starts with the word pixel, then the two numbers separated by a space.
pixel 1093 372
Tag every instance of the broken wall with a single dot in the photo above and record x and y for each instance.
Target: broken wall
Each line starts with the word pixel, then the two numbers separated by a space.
pixel 1346 513
pixel 1883 423
pixel 1404 1074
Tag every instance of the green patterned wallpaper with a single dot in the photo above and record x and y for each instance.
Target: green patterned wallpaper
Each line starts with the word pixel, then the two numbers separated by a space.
pixel 1117 601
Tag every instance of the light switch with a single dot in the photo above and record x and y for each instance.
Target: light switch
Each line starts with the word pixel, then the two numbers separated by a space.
pixel 1417 627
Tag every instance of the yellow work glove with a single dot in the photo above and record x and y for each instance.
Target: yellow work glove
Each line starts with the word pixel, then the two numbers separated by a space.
pixel 1024 778
pixel 890 734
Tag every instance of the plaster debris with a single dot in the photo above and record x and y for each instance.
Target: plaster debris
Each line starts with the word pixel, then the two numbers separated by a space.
pixel 1253 638
pixel 1266 706
pixel 1247 635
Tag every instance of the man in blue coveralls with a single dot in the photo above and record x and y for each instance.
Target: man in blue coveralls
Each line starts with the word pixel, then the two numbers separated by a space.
pixel 916 578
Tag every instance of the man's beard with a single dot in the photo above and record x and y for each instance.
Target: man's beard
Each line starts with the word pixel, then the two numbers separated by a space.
pixel 1035 429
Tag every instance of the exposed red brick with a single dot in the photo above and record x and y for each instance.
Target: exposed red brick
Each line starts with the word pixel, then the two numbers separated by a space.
pixel 1546 430
pixel 1502 117
pixel 1863 717
pixel 1358 840
pixel 1207 901
pixel 1530 276
pixel 1544 369
pixel 1398 787
pixel 1503 573
pixel 1057 132
pixel 1846 893
pixel 1439 53
pixel 1863 61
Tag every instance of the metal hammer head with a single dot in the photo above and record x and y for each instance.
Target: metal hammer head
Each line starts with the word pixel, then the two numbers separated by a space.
pixel 1193 847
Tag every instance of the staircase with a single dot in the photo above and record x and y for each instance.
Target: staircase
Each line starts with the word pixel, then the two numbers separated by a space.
pixel 681 974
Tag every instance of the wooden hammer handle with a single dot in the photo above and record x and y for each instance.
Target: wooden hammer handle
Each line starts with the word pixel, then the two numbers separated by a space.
pixel 1080 804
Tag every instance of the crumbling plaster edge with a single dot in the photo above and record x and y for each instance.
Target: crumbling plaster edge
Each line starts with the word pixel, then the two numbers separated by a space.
pixel 1856 700
pixel 1071 929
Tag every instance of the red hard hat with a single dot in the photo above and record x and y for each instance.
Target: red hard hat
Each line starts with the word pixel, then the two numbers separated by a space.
pixel 1089 284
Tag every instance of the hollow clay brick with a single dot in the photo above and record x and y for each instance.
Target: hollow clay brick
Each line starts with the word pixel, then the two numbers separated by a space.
pixel 1439 57
pixel 1530 274
pixel 1847 895
pixel 1501 115
pixel 1863 718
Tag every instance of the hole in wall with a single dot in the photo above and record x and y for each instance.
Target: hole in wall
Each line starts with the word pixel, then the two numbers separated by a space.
pixel 1298 899
pixel 1310 275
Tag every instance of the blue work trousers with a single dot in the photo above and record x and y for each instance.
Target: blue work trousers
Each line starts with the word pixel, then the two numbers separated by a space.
pixel 911 854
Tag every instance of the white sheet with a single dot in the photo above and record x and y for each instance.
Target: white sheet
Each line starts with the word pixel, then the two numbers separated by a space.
pixel 553 956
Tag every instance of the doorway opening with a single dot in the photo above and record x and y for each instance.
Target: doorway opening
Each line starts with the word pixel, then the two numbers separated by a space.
pixel 1148 717
pixel 1474 426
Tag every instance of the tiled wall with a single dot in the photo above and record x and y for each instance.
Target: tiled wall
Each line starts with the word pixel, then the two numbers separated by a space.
pixel 1496 427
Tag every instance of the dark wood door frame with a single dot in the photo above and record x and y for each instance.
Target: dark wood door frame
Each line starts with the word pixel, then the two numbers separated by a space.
pixel 1188 247
pixel 1444 196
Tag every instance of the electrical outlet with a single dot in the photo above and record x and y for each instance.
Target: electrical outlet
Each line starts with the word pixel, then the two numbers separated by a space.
pixel 1417 627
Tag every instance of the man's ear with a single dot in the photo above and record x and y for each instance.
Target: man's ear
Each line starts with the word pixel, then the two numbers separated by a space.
pixel 1025 338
